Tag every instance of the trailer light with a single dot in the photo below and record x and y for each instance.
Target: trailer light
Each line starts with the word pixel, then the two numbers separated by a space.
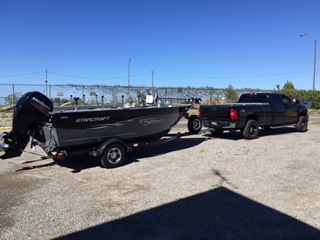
pixel 233 114
pixel 61 156
pixel 95 153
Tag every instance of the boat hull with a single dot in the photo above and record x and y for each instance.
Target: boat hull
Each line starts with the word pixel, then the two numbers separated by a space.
pixel 86 128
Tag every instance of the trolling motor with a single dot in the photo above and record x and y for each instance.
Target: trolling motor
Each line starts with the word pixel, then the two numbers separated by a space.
pixel 31 108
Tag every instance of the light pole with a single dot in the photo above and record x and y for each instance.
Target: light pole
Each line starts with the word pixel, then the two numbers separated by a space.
pixel 129 77
pixel 315 59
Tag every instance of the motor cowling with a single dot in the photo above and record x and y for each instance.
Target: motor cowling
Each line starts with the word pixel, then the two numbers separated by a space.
pixel 31 108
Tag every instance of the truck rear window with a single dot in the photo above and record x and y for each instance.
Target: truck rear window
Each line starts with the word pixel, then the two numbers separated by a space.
pixel 253 98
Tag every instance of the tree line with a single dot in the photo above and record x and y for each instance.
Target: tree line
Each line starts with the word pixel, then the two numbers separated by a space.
pixel 309 97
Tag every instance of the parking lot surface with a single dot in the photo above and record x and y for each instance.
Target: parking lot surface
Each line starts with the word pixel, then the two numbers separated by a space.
pixel 197 187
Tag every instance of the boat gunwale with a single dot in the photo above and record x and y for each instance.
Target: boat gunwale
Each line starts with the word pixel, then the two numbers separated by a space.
pixel 101 109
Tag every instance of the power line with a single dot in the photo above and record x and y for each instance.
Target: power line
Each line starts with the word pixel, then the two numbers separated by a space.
pixel 72 76
pixel 237 77
pixel 166 74
pixel 22 74
pixel 97 78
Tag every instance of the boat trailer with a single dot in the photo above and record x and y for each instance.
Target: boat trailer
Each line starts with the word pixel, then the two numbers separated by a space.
pixel 112 152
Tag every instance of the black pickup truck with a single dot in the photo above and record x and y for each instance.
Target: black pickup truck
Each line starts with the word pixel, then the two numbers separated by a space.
pixel 252 111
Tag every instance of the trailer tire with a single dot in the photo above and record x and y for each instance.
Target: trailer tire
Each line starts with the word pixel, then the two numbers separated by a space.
pixel 251 130
pixel 302 124
pixel 114 155
pixel 194 124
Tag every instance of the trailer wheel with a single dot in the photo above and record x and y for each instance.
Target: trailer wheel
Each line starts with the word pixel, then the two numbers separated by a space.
pixel 113 156
pixel 194 124
pixel 302 124
pixel 251 130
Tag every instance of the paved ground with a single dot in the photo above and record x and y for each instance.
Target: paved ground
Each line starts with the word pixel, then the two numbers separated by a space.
pixel 198 187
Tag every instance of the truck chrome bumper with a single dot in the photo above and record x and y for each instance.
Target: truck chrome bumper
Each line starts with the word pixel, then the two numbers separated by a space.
pixel 220 124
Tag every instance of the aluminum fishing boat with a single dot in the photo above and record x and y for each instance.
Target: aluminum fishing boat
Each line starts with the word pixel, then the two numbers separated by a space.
pixel 61 131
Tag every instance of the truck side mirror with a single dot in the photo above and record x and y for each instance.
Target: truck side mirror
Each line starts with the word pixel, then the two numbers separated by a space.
pixel 295 101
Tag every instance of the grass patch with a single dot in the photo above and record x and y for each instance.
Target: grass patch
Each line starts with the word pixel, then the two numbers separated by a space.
pixel 313 111
pixel 4 116
pixel 6 119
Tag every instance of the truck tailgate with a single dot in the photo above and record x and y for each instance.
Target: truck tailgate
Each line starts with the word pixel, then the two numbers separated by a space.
pixel 215 112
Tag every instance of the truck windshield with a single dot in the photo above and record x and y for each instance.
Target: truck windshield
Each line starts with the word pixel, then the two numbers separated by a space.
pixel 253 98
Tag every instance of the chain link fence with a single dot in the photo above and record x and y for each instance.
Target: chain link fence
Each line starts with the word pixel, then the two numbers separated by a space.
pixel 93 94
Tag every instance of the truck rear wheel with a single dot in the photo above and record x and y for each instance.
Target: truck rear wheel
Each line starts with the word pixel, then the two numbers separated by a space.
pixel 194 124
pixel 251 130
pixel 113 156
pixel 302 124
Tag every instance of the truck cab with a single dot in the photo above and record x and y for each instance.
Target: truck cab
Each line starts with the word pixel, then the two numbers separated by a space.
pixel 284 110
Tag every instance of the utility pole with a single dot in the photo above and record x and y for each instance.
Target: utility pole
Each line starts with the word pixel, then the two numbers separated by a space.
pixel 152 79
pixel 46 82
pixel 129 77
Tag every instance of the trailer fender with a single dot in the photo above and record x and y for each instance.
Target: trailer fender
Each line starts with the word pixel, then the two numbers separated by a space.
pixel 105 144
pixel 112 153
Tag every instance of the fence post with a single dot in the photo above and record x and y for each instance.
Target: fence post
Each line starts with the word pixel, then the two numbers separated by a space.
pixel 13 93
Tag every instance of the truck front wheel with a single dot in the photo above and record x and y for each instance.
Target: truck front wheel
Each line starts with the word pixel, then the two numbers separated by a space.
pixel 251 130
pixel 302 124
pixel 194 124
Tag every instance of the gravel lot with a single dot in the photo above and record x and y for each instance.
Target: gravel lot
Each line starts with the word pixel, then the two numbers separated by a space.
pixel 198 187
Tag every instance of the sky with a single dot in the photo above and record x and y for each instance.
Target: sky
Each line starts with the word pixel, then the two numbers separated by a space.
pixel 196 43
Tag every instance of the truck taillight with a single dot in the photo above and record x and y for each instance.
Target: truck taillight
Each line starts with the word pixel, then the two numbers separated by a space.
pixel 200 113
pixel 233 114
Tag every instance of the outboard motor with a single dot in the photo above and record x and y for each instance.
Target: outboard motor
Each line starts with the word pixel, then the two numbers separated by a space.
pixel 31 108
